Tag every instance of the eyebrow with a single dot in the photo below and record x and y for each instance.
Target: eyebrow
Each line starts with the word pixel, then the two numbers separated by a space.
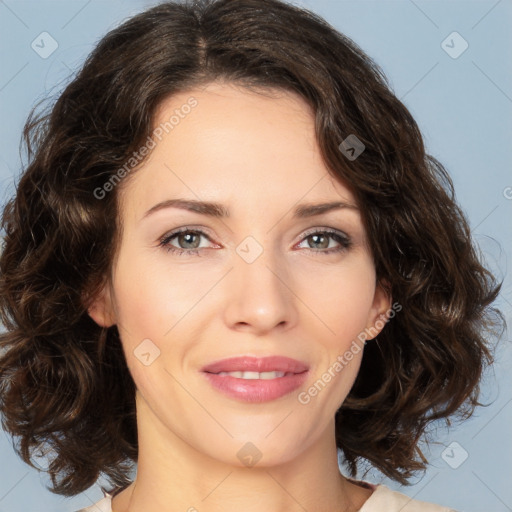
pixel 220 211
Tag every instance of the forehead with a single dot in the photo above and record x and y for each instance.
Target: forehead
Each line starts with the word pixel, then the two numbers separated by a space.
pixel 235 146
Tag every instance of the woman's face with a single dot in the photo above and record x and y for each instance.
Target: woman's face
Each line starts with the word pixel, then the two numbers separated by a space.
pixel 260 280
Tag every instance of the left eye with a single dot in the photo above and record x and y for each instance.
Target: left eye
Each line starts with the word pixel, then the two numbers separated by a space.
pixel 321 240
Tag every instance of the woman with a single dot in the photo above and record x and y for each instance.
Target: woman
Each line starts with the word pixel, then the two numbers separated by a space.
pixel 228 258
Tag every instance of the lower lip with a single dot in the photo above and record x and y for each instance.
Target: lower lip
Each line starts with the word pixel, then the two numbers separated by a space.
pixel 256 390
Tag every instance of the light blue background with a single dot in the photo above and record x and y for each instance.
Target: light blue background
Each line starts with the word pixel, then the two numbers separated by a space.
pixel 464 108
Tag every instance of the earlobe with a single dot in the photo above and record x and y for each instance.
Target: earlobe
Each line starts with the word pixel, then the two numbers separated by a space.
pixel 101 309
pixel 379 313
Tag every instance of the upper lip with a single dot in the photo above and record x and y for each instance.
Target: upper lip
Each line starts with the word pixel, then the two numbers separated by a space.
pixel 256 364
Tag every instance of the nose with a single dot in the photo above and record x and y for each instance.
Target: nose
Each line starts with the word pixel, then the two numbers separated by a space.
pixel 259 295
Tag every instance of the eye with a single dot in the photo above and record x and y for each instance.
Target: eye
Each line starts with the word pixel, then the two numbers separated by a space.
pixel 188 241
pixel 321 239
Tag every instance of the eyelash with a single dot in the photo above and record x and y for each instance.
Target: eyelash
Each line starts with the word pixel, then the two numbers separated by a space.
pixel 341 238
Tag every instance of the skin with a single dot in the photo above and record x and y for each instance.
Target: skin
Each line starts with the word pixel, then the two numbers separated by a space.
pixel 258 156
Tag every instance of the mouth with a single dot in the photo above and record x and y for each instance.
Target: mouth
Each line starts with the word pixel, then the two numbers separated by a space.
pixel 257 375
pixel 260 365
pixel 256 380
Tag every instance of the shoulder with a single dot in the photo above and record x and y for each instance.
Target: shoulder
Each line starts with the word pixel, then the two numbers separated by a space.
pixel 104 505
pixel 384 499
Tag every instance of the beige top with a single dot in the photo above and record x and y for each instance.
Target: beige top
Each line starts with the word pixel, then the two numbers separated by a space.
pixel 383 499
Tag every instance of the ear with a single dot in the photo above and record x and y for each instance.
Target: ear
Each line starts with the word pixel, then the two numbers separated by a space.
pixel 101 309
pixel 379 312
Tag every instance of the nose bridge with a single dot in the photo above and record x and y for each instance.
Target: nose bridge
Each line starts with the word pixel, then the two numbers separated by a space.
pixel 258 287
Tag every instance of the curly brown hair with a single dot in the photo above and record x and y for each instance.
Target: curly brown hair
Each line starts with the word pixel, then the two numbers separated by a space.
pixel 64 381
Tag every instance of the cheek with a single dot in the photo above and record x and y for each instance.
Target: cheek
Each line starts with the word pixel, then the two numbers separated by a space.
pixel 340 299
pixel 150 299
pixel 157 308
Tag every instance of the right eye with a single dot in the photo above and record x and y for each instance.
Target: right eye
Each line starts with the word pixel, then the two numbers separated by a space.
pixel 189 238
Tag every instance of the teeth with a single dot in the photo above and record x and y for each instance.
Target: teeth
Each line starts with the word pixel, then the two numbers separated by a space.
pixel 254 375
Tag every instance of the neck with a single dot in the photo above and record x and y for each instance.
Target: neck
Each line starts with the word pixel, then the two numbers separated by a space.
pixel 173 475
